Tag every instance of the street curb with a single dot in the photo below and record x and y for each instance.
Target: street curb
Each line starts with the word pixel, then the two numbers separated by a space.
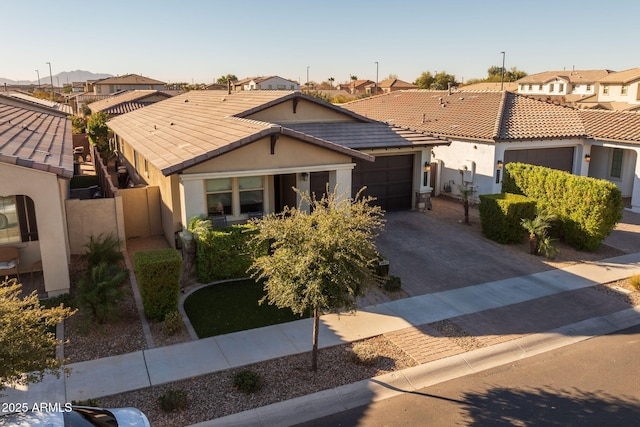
pixel 328 402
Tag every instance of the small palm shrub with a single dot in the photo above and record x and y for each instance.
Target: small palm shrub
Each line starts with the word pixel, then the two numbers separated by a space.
pixel 247 381
pixel 173 323
pixel 100 291
pixel 364 353
pixel 174 401
pixel 393 284
pixel 103 249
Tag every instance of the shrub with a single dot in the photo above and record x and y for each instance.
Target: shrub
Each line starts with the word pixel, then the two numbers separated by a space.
pixel 364 353
pixel 587 208
pixel 100 291
pixel 634 281
pixel 174 401
pixel 173 323
pixel 393 284
pixel 247 381
pixel 501 216
pixel 103 249
pixel 158 274
pixel 85 402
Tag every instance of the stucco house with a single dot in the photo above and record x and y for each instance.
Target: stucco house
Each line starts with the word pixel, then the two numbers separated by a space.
pixel 112 85
pixel 128 101
pixel 618 91
pixel 231 154
pixel 490 129
pixel 390 85
pixel 36 165
pixel 565 86
pixel 265 83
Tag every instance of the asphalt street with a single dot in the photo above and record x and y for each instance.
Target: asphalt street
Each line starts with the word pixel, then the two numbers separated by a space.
pixel 592 383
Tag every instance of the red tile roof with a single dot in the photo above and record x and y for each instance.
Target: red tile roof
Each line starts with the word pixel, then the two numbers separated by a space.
pixel 489 116
pixel 612 125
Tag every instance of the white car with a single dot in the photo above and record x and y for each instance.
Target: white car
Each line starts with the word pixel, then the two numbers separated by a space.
pixel 77 416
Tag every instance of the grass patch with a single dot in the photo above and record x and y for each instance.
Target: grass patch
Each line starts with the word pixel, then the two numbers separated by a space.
pixel 232 307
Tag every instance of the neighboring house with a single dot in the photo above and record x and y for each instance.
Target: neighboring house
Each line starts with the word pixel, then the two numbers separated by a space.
pixel 356 87
pixel 510 86
pixel 228 155
pixel 128 101
pixel 390 85
pixel 38 103
pixel 36 165
pixel 562 86
pixel 617 91
pixel 112 85
pixel 490 129
pixel 265 83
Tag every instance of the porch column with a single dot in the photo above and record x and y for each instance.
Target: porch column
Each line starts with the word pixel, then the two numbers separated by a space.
pixel 340 181
pixel 303 184
pixel 635 194
pixel 193 199
pixel 584 157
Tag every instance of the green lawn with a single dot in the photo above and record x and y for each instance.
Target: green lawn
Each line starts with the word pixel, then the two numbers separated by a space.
pixel 231 307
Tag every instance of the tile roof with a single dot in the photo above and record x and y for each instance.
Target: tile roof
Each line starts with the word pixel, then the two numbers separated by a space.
pixel 126 101
pixel 35 139
pixel 626 76
pixel 612 125
pixel 395 83
pixel 129 79
pixel 45 103
pixel 199 125
pixel 488 116
pixel 510 86
pixel 575 76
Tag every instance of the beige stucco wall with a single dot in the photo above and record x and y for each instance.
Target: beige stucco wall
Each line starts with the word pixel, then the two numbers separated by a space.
pixel 289 152
pixel 47 193
pixel 92 217
pixel 305 112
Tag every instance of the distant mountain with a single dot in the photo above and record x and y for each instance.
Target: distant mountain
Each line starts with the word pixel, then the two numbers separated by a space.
pixel 63 77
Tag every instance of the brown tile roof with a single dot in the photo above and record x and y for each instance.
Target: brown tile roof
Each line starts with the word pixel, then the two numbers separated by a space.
pixel 36 140
pixel 622 77
pixel 575 76
pixel 612 125
pixel 397 84
pixel 489 116
pixel 39 102
pixel 129 79
pixel 199 125
pixel 126 101
pixel 510 86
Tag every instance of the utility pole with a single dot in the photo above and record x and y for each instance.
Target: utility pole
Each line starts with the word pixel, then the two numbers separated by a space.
pixel 502 74
pixel 307 77
pixel 376 77
pixel 37 71
pixel 51 77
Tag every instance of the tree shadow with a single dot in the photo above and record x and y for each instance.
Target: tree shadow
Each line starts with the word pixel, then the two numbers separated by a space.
pixel 549 407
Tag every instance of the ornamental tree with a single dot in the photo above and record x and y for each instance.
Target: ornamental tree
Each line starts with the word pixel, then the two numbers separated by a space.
pixel 320 259
pixel 27 343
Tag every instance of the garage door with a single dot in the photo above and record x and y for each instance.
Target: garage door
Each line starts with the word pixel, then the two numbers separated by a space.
pixel 555 158
pixel 389 179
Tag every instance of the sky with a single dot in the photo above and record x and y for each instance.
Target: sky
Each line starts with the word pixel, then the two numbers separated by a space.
pixel 197 41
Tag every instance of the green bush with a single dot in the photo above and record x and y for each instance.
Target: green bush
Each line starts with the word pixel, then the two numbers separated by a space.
pixel 103 249
pixel 86 402
pixel 173 323
pixel 501 216
pixel 364 353
pixel 587 208
pixel 174 401
pixel 247 381
pixel 158 274
pixel 100 291
pixel 224 253
pixel 393 284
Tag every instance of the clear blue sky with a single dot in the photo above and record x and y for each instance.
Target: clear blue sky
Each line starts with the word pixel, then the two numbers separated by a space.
pixel 199 41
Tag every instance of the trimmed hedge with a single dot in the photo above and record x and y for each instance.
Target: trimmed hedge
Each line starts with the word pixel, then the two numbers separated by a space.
pixel 224 253
pixel 501 216
pixel 158 274
pixel 587 208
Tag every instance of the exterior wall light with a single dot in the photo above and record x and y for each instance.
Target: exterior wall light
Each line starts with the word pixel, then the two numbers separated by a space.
pixel 499 164
pixel 587 158
pixel 427 166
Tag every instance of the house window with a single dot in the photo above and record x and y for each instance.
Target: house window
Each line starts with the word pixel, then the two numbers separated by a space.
pixel 530 87
pixel 588 88
pixel 605 89
pixel 135 160
pixel 17 220
pixel 623 90
pixel 574 87
pixel 561 87
pixel 146 168
pixel 551 87
pixel 250 191
pixel 540 87
pixel 616 163
pixel 521 87
pixel 218 193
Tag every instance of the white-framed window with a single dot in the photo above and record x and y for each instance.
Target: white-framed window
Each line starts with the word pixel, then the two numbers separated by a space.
pixel 234 196
pixel 616 163
pixel 561 87
pixel 552 87
pixel 605 89
pixel 588 87
pixel 623 89
pixel 17 220
pixel 574 87
pixel 530 87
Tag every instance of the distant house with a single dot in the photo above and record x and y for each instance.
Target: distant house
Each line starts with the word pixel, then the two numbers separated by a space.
pixel 36 165
pixel 510 86
pixel 390 85
pixel 128 101
pixel 265 83
pixel 618 91
pixel 489 129
pixel 112 85
pixel 356 87
pixel 561 86
pixel 37 103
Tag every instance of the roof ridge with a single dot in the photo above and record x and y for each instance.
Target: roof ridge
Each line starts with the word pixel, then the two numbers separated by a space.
pixel 500 116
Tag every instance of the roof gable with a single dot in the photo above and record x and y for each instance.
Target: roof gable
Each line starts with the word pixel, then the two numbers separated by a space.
pixel 622 77
pixel 129 79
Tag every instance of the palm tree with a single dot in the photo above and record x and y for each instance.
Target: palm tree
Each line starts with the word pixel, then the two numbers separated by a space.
pixel 331 80
pixel 537 229
pixel 353 79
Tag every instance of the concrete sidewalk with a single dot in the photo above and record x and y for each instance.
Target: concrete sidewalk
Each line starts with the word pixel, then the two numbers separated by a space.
pixel 107 376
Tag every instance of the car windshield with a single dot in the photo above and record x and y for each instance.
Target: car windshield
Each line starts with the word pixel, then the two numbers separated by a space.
pixel 89 417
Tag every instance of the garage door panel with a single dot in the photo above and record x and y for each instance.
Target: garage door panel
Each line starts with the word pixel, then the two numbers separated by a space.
pixel 560 158
pixel 389 179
